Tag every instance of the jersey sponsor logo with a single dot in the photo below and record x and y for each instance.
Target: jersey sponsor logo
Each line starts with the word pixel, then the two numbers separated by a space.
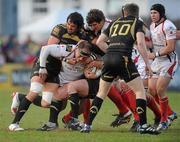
pixel 56 31
pixel 110 77
pixel 116 44
pixel 73 37
pixel 135 73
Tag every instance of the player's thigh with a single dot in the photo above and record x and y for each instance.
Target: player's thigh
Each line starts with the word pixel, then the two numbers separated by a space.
pixel 61 93
pixel 79 86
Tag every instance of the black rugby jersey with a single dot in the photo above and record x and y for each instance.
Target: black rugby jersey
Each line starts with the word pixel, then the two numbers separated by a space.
pixel 53 64
pixel 60 32
pixel 122 34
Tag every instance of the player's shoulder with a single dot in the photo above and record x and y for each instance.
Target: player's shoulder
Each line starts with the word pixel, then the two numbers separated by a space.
pixel 169 24
pixel 108 21
pixel 60 28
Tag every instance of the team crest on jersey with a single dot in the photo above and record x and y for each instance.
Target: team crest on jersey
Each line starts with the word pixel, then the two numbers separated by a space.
pixel 171 30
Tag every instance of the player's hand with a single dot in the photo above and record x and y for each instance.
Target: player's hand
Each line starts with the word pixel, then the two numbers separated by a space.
pixel 149 71
pixel 43 73
pixel 90 75
pixel 97 64
pixel 72 61
pixel 151 56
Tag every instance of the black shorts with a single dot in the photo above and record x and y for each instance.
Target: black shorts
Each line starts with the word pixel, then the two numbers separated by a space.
pixel 51 77
pixel 93 87
pixel 118 65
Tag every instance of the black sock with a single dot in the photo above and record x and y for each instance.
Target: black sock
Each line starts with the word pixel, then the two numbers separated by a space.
pixel 96 105
pixel 37 101
pixel 21 96
pixel 74 101
pixel 141 110
pixel 23 107
pixel 55 109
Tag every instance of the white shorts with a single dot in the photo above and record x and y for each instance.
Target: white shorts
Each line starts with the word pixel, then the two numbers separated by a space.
pixel 162 66
pixel 142 71
pixel 141 67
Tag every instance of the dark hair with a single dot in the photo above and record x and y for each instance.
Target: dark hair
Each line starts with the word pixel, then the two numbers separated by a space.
pixel 160 8
pixel 84 44
pixel 77 19
pixel 95 15
pixel 132 9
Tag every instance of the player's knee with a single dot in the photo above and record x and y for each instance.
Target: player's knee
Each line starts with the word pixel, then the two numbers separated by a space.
pixel 36 87
pixel 152 91
pixel 161 91
pixel 71 88
pixel 46 98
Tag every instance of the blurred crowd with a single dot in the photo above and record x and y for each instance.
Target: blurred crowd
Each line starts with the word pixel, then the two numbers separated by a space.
pixel 11 51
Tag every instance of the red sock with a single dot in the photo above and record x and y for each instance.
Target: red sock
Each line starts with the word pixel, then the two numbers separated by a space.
pixel 67 117
pixel 164 108
pixel 129 98
pixel 153 106
pixel 117 100
pixel 169 108
pixel 86 110
pixel 156 97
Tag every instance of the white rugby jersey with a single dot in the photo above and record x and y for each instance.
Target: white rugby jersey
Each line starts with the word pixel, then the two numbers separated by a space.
pixel 74 72
pixel 161 33
pixel 70 72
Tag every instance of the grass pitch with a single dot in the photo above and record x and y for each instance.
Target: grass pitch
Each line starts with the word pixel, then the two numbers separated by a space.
pixel 102 132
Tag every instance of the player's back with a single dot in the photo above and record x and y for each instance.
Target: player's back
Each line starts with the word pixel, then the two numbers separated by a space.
pixel 122 33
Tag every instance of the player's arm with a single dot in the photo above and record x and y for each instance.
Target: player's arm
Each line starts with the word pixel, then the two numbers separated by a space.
pixel 102 42
pixel 53 40
pixel 141 47
pixel 53 50
pixel 55 35
pixel 170 42
pixel 93 69
pixel 103 39
pixel 169 47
